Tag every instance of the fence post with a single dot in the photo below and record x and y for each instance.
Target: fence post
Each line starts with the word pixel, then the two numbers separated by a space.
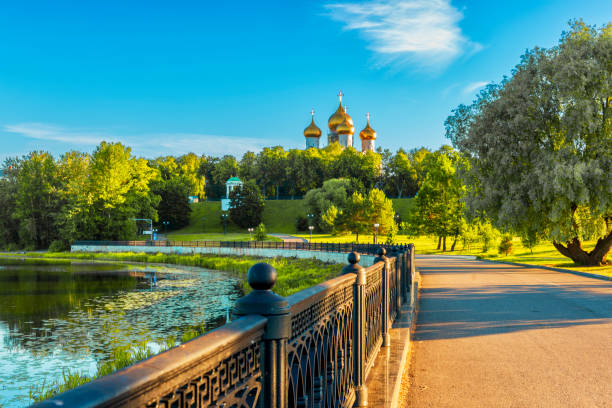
pixel 386 275
pixel 262 301
pixel 412 273
pixel 359 320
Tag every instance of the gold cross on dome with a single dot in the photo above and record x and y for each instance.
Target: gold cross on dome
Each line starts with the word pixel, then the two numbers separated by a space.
pixel 345 109
pixel 340 95
pixel 368 116
pixel 312 113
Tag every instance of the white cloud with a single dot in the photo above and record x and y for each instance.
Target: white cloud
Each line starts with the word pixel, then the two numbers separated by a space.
pixel 148 145
pixel 44 131
pixel 421 32
pixel 470 88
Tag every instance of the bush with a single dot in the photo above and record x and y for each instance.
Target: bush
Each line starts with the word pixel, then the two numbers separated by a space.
pixel 488 234
pixel 505 246
pixel 301 223
pixel 59 246
pixel 260 232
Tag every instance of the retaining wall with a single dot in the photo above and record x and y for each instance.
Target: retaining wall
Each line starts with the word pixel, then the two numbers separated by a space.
pixel 333 257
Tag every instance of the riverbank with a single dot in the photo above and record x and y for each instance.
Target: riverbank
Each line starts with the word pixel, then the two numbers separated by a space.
pixel 294 275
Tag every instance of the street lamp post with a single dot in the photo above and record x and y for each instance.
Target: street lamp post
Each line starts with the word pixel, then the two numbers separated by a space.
pixel 250 234
pixel 376 232
pixel 224 216
pixel 310 228
pixel 165 224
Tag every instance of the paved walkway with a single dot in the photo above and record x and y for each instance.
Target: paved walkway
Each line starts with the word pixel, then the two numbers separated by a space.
pixel 495 335
pixel 289 238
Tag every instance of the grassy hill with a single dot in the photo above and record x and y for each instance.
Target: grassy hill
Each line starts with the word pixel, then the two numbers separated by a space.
pixel 278 216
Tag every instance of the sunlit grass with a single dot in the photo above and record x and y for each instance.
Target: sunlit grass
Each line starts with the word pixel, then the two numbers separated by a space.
pixel 293 274
pixel 544 254
pixel 119 358
pixel 216 236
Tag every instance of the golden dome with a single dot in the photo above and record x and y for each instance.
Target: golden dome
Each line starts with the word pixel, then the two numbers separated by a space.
pixel 312 130
pixel 349 120
pixel 344 128
pixel 336 118
pixel 368 133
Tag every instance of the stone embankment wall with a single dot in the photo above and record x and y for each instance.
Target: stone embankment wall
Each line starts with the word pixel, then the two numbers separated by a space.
pixel 333 257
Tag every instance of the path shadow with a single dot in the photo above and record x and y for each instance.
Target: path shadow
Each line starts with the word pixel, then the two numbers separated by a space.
pixel 455 312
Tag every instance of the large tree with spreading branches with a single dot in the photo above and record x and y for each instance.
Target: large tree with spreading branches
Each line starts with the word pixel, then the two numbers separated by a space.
pixel 540 145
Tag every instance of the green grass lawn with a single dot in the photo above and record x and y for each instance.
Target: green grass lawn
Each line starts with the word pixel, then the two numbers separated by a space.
pixel 216 236
pixel 543 254
pixel 278 216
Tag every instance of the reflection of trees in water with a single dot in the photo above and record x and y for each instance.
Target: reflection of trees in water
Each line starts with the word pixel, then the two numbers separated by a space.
pixel 31 294
pixel 93 312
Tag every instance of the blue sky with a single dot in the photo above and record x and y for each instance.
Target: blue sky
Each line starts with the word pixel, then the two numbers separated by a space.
pixel 226 77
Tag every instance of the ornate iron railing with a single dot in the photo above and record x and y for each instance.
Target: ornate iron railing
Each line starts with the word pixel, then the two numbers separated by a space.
pixel 312 349
pixel 374 305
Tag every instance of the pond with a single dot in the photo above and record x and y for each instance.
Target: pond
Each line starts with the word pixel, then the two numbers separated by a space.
pixel 70 315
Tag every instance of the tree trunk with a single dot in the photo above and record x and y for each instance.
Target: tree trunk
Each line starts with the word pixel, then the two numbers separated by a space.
pixel 277 191
pixel 597 257
pixel 444 244
pixel 454 243
pixel 357 239
pixel 439 243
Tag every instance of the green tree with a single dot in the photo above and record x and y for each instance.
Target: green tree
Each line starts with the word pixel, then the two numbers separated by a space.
pixel 360 213
pixel 540 145
pixel 247 169
pixel 366 168
pixel 225 168
pixel 319 200
pixel 189 167
pixel 417 159
pixel 272 169
pixel 246 205
pixel 174 207
pixel 401 173
pixel 9 227
pixel 439 209
pixel 37 203
pixel 118 187
pixel 73 173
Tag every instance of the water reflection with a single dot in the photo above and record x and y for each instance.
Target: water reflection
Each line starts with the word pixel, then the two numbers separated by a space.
pixel 58 316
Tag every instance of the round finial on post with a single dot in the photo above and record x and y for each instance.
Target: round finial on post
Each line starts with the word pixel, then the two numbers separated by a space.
pixel 353 266
pixel 262 301
pixel 262 276
pixel 381 255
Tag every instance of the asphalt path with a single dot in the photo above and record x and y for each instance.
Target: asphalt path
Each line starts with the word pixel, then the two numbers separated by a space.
pixel 497 335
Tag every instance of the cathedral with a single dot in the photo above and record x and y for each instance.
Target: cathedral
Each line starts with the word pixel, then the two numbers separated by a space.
pixel 341 130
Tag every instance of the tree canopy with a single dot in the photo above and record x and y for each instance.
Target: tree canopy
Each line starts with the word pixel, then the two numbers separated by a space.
pixel 540 145
pixel 439 209
pixel 246 205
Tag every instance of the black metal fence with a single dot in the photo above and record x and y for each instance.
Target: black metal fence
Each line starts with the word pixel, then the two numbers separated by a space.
pixel 312 349
pixel 303 246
